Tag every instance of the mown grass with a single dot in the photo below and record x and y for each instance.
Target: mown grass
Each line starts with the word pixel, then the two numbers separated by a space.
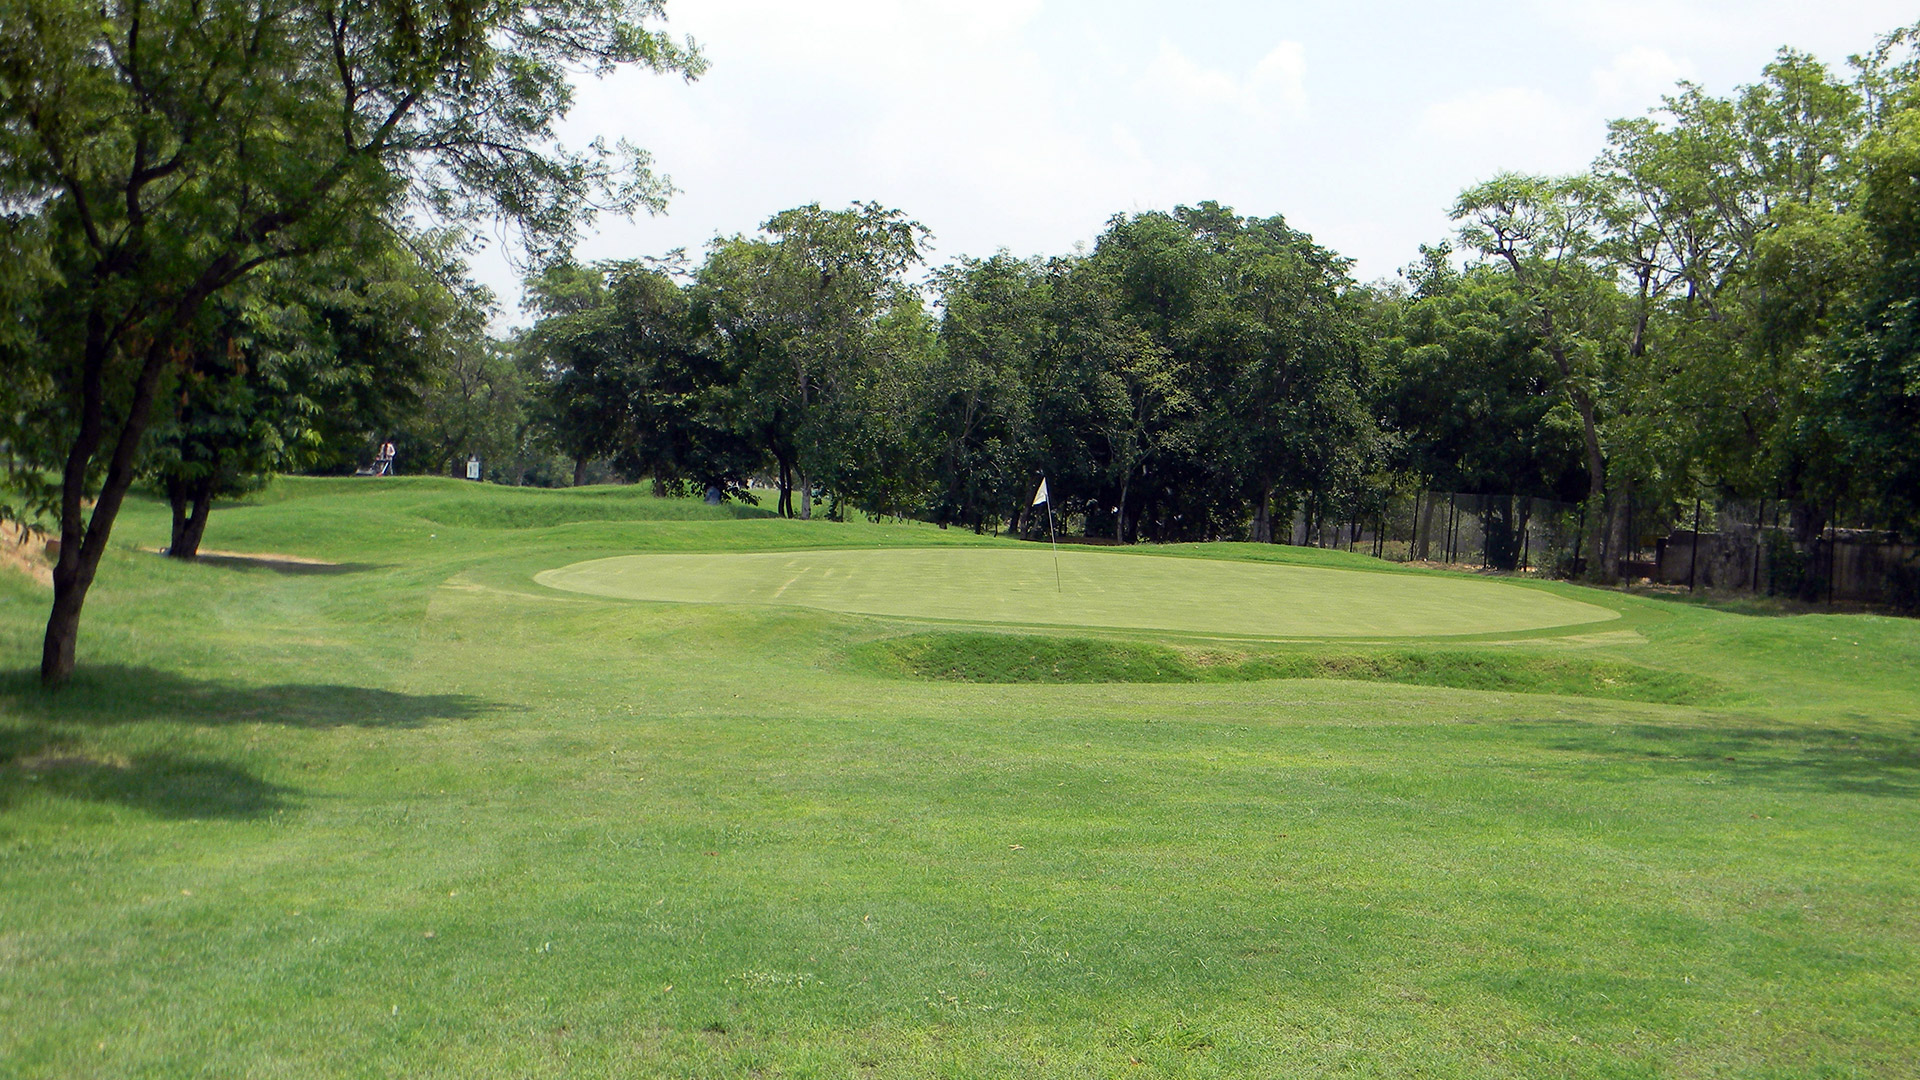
pixel 419 816
pixel 1024 658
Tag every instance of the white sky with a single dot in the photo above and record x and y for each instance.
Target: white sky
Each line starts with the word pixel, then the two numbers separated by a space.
pixel 1025 124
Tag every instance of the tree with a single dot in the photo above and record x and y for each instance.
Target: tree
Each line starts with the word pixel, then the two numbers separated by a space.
pixel 302 367
pixel 1729 224
pixel 1227 372
pixel 982 390
pixel 1475 399
pixel 582 394
pixel 1545 234
pixel 627 372
pixel 1867 413
pixel 172 148
pixel 799 312
pixel 474 404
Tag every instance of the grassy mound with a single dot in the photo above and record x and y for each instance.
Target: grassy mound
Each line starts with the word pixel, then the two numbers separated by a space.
pixel 1024 584
pixel 1022 658
pixel 543 509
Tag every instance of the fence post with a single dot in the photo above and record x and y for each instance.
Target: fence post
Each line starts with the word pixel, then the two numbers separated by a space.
pixel 1833 547
pixel 1453 526
pixel 1580 538
pixel 1526 533
pixel 1693 557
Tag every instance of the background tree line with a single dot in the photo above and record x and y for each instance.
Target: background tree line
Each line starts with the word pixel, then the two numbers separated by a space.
pixel 1722 305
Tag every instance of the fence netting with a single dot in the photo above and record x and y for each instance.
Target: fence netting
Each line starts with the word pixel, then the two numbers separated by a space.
pixel 1767 547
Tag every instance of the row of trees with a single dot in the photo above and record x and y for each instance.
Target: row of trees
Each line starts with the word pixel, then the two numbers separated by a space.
pixel 1722 304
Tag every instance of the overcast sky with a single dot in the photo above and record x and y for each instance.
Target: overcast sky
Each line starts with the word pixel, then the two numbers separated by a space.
pixel 1025 124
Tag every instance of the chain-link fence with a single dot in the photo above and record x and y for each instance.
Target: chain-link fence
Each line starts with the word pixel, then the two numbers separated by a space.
pixel 1495 532
pixel 1772 547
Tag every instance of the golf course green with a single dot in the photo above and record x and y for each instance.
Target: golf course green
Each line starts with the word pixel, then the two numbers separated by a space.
pixel 361 796
pixel 1091 589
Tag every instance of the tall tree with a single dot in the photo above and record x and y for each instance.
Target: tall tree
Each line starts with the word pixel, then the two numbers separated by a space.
pixel 983 391
pixel 1545 233
pixel 1867 414
pixel 627 372
pixel 1475 399
pixel 799 309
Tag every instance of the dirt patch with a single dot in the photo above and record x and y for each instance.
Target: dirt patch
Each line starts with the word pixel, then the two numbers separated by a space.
pixel 269 560
pixel 55 760
pixel 25 550
pixel 210 555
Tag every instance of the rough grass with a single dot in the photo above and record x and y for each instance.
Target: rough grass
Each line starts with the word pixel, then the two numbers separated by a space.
pixel 1034 658
pixel 419 816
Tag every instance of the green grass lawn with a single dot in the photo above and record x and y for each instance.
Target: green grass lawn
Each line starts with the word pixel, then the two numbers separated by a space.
pixel 416 814
pixel 1026 584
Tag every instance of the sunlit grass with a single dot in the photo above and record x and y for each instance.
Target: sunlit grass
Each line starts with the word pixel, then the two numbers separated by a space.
pixel 420 816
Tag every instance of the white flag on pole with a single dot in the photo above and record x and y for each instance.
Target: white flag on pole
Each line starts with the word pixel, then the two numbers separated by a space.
pixel 1041 495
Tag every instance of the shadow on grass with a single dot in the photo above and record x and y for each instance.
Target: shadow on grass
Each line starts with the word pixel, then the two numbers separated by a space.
pixel 293 567
pixel 38 764
pixel 1827 760
pixel 118 695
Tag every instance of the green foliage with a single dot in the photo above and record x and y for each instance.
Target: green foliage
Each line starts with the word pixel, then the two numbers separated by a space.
pixel 1868 411
pixel 169 150
pixel 820 325
pixel 1468 386
pixel 306 365
pixel 624 371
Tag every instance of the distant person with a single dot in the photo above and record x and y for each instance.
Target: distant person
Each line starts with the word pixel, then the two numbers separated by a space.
pixel 385 460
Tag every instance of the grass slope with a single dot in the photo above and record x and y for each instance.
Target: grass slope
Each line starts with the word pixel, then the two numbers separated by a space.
pixel 1021 658
pixel 416 815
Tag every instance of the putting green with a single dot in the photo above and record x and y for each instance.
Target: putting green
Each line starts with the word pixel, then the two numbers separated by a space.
pixel 1096 588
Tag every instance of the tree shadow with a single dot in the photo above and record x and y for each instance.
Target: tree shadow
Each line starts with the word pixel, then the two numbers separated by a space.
pixel 291 567
pixel 105 695
pixel 1831 760
pixel 36 764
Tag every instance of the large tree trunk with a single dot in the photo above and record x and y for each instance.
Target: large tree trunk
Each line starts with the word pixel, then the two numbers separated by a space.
pixel 83 540
pixel 192 503
pixel 1599 564
pixel 1262 530
pixel 806 496
pixel 1120 518
pixel 579 472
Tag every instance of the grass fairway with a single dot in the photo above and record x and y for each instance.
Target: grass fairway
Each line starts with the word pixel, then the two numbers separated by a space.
pixel 1018 584
pixel 415 814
